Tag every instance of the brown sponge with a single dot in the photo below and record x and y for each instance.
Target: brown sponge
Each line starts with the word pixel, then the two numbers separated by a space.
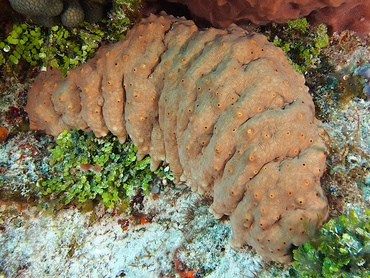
pixel 223 107
pixel 339 15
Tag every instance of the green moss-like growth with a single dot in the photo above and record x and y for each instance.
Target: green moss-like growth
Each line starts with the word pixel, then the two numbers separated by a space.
pixel 341 249
pixel 124 14
pixel 23 42
pixel 56 47
pixel 114 172
pixel 301 42
pixel 64 47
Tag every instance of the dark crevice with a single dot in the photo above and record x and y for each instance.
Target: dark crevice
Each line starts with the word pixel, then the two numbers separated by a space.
pixel 160 57
pixel 155 7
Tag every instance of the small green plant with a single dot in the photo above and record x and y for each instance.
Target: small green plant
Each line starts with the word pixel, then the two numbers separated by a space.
pixel 302 43
pixel 55 46
pixel 23 42
pixel 83 167
pixel 341 249
pixel 64 47
pixel 124 14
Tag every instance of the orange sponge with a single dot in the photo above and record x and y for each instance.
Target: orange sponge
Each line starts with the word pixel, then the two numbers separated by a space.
pixel 223 108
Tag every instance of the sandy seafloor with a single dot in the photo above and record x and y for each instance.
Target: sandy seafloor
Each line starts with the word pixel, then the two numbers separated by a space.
pixel 71 243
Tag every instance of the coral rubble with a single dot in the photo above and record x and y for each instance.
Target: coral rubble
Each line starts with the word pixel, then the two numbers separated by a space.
pixel 72 243
pixel 223 107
